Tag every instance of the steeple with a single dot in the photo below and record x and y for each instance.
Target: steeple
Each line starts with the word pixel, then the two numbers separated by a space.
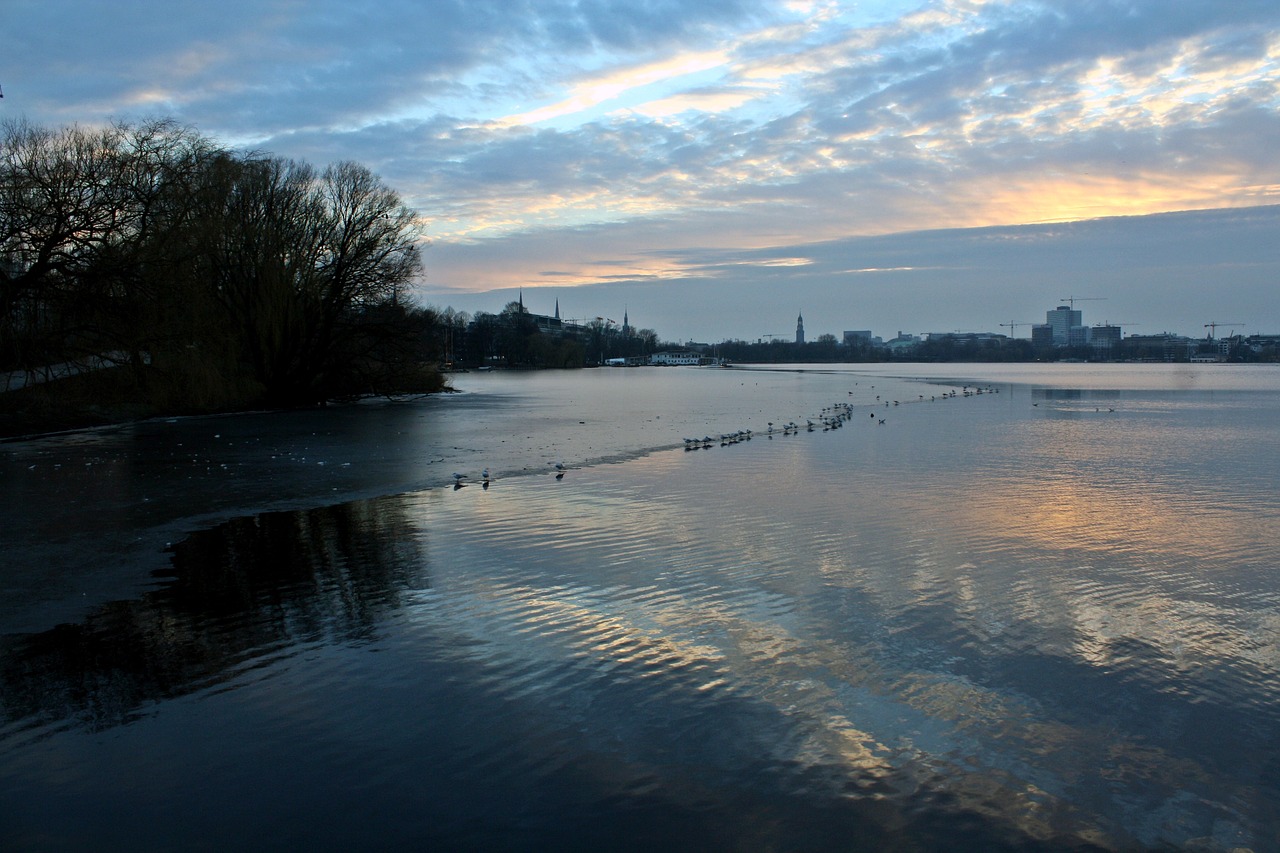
pixel 800 328
pixel 522 300
pixel 557 309
pixel 626 324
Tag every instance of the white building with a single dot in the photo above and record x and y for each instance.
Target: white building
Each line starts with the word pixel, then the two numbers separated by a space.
pixel 676 359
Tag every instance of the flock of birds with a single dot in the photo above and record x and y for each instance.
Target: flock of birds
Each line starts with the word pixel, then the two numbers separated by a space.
pixel 460 480
pixel 831 417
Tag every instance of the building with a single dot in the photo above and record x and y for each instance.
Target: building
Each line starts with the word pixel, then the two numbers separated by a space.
pixel 542 321
pixel 1079 336
pixel 1162 347
pixel 799 328
pixel 901 344
pixel 679 358
pixel 1105 340
pixel 859 337
pixel 1062 320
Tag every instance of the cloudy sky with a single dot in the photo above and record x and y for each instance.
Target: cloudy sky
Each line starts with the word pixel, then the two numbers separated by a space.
pixel 717 167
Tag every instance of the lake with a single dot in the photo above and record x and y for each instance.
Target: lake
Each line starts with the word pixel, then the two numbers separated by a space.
pixel 975 607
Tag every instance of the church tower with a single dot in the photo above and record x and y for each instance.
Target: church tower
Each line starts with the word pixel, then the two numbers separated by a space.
pixel 800 328
pixel 626 324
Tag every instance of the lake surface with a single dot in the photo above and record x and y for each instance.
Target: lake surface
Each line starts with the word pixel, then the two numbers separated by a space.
pixel 999 607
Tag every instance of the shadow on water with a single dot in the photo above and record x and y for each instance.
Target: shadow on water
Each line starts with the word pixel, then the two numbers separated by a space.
pixel 235 597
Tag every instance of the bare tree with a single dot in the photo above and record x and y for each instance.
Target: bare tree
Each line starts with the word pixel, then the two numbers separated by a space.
pixel 151 245
pixel 297 258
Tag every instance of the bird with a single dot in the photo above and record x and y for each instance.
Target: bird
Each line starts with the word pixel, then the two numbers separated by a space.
pixel 485 476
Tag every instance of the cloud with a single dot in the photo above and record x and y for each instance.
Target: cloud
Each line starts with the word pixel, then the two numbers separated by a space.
pixel 609 86
pixel 1154 273
pixel 591 142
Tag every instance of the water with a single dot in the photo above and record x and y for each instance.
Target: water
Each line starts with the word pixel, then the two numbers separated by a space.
pixel 1039 617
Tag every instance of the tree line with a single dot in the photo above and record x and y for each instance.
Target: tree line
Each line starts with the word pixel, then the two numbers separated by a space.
pixel 514 337
pixel 210 279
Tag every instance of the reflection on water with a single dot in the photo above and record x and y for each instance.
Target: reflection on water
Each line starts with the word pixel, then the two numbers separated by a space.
pixel 239 596
pixel 981 625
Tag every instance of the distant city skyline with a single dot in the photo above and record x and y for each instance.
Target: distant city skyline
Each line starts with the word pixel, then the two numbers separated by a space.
pixel 976 281
pixel 914 165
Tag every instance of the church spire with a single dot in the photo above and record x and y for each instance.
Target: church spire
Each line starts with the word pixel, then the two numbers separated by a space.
pixel 800 328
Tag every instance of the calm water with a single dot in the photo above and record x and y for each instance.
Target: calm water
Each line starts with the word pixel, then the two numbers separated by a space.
pixel 1044 616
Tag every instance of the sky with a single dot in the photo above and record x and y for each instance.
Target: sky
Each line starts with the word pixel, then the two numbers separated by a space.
pixel 714 169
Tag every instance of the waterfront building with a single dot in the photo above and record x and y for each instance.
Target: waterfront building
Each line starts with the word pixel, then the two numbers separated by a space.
pixel 1105 340
pixel 1062 320
pixel 800 328
pixel 679 358
pixel 1162 347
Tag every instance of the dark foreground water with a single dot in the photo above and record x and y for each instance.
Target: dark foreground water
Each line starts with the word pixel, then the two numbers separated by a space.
pixel 1044 616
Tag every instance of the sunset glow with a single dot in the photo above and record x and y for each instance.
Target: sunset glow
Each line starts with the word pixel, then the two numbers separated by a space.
pixel 613 149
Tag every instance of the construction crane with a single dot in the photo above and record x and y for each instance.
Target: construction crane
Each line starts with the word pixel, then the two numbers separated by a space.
pixel 1212 326
pixel 772 336
pixel 1013 327
pixel 1072 300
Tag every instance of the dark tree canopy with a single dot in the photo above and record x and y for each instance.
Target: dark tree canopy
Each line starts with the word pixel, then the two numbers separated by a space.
pixel 228 278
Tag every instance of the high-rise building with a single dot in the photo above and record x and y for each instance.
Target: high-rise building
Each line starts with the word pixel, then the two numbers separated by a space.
pixel 800 328
pixel 1062 320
